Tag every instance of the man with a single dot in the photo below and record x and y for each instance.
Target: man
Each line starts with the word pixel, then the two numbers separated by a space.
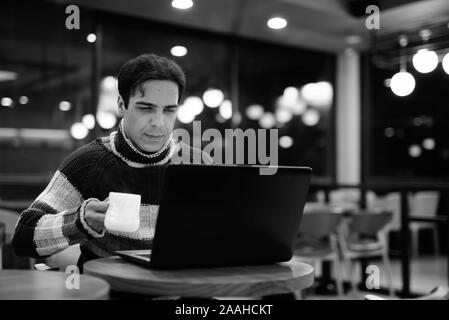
pixel 71 210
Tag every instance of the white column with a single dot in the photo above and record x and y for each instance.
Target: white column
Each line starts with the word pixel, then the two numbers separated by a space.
pixel 348 117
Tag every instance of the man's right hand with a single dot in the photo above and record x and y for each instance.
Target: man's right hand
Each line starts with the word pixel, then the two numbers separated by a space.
pixel 94 214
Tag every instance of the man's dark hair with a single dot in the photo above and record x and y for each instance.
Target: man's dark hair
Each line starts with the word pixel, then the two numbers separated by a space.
pixel 148 67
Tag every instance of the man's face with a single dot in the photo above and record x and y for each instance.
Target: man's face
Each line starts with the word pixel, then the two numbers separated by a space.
pixel 150 117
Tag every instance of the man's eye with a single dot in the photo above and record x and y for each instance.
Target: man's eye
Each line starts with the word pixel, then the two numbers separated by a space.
pixel 170 110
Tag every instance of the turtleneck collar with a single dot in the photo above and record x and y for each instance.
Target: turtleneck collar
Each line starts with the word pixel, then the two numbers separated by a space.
pixel 123 147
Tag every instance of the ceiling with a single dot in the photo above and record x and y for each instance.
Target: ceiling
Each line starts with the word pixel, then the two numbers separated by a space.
pixel 316 24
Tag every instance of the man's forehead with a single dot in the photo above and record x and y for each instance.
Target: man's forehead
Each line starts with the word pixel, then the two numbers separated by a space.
pixel 151 87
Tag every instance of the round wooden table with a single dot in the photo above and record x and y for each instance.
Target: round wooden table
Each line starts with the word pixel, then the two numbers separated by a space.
pixel 49 285
pixel 252 281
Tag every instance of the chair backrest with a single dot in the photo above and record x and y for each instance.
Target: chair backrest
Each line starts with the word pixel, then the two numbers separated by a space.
pixel 9 218
pixel 319 224
pixel 369 223
pixel 424 203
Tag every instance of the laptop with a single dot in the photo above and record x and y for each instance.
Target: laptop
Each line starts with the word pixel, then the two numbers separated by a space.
pixel 225 215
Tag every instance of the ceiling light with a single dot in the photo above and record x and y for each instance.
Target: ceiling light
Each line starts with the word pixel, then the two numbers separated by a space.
pixel 402 84
pixel 277 23
pixel 65 106
pixel 425 61
pixel 226 109
pixel 23 100
pixel 254 112
pixel 445 63
pixel 285 142
pixel 89 121
pixel 182 4
pixel 213 97
pixel 79 131
pixel 7 102
pixel 178 51
pixel 267 121
pixel 91 38
pixel 106 120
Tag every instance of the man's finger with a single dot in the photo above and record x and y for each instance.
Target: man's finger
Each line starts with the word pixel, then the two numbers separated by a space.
pixel 98 206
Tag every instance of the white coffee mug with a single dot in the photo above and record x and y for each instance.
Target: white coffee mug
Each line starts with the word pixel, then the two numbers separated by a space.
pixel 123 213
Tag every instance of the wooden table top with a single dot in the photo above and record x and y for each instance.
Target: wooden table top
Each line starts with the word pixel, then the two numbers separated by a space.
pixel 49 285
pixel 250 281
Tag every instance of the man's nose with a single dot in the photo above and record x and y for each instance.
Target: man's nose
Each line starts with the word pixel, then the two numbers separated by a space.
pixel 157 119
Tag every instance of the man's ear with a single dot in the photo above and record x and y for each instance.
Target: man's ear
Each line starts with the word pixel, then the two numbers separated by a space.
pixel 121 106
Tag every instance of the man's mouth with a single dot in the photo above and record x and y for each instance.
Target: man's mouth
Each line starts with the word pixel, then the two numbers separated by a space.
pixel 155 137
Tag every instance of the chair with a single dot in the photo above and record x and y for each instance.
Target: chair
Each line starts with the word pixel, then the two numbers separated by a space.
pixel 424 204
pixel 345 198
pixel 317 241
pixel 8 219
pixel 364 236
pixel 437 293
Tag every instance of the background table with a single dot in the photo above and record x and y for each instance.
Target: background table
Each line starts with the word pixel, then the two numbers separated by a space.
pixel 251 281
pixel 48 285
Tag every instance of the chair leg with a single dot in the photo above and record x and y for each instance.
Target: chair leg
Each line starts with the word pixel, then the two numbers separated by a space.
pixel 349 266
pixel 387 265
pixel 415 243
pixel 436 241
pixel 338 277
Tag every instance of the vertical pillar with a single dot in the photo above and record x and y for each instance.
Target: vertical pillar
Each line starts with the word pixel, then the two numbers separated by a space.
pixel 348 128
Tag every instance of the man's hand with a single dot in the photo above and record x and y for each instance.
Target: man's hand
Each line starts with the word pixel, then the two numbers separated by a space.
pixel 94 214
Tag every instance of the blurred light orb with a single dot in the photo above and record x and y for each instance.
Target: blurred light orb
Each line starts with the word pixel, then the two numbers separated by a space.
pixel 106 120
pixel 219 118
pixel 182 4
pixel 79 131
pixel 445 63
pixel 429 144
pixel 389 132
pixel 109 83
pixel 226 109
pixel 267 121
pixel 254 112
pixel 185 114
pixel 283 115
pixel 285 142
pixel 425 61
pixel 318 94
pixel 213 98
pixel 236 118
pixel 194 104
pixel 65 106
pixel 291 94
pixel 7 102
pixel 23 100
pixel 277 23
pixel 178 51
pixel 311 117
pixel 91 37
pixel 387 82
pixel 414 151
pixel 89 121
pixel 402 84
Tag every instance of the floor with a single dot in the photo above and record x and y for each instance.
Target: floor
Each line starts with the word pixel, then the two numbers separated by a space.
pixel 426 273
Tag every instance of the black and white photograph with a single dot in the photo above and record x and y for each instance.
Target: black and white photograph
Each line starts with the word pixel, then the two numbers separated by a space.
pixel 224 158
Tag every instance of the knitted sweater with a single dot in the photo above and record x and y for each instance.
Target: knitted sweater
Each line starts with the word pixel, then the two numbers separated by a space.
pixel 55 220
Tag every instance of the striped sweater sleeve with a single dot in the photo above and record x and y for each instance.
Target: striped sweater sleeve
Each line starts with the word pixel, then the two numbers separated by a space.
pixel 55 220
